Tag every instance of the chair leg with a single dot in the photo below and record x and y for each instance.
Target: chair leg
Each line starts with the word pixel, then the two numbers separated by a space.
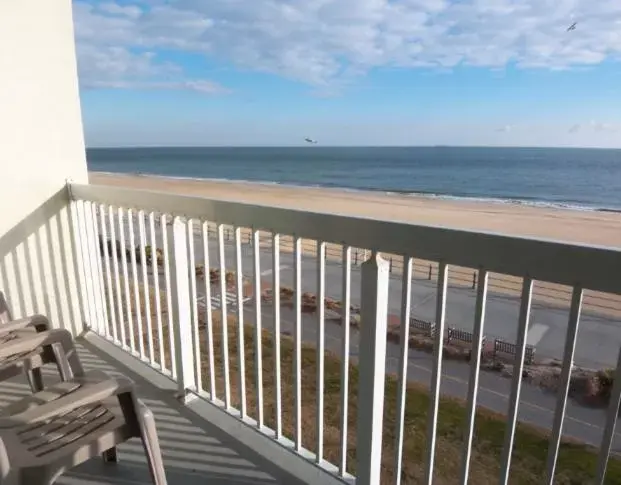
pixel 35 379
pixel 110 456
pixel 62 364
pixel 151 444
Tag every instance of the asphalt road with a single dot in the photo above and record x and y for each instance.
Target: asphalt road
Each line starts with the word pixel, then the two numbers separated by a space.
pixel 599 336
pixel 536 406
pixel 598 342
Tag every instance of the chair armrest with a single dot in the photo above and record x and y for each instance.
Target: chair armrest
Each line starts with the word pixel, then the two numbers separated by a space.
pixel 38 322
pixel 88 393
pixel 26 342
pixel 59 342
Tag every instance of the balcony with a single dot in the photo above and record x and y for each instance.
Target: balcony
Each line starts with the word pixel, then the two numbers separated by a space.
pixel 281 346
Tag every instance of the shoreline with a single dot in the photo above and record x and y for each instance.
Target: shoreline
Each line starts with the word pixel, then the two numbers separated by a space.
pixel 594 227
pixel 571 206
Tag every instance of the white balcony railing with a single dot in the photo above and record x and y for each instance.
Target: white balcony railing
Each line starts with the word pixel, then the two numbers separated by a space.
pixel 158 309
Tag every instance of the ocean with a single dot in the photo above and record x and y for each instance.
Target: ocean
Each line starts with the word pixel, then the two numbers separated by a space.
pixel 587 179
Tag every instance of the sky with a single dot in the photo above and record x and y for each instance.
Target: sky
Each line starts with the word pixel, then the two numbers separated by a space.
pixel 350 72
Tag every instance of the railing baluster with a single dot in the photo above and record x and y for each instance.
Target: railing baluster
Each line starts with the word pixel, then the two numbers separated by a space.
pixel 156 290
pixel 258 331
pixel 99 256
pixel 105 240
pixel 516 384
pixel 561 403
pixel 128 302
pixel 225 323
pixel 145 285
pixel 404 346
pixel 194 304
pixel 79 252
pixel 475 366
pixel 169 291
pixel 92 265
pixel 321 305
pixel 611 424
pixel 209 316
pixel 436 374
pixel 184 350
pixel 84 271
pixel 372 369
pixel 240 323
pixel 345 308
pixel 136 284
pixel 276 303
pixel 297 342
pixel 117 281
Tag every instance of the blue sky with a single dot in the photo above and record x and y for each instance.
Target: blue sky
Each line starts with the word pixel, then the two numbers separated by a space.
pixel 350 72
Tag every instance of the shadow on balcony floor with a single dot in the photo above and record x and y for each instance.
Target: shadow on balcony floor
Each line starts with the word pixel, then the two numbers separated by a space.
pixel 194 452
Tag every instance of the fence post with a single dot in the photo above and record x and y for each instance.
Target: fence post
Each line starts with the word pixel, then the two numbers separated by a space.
pixel 390 267
pixel 474 280
pixel 429 271
pixel 180 289
pixel 372 366
pixel 356 257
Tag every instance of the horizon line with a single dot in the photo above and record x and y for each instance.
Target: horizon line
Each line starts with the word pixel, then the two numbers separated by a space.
pixel 318 146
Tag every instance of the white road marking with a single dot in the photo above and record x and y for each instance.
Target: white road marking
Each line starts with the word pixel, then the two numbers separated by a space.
pixel 269 271
pixel 231 300
pixel 536 333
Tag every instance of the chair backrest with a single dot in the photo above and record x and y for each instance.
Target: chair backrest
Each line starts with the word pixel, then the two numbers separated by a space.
pixel 5 310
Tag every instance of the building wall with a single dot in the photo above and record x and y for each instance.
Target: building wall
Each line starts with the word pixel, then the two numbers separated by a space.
pixel 41 146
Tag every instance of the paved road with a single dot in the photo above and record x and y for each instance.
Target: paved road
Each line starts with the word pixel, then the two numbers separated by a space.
pixel 536 406
pixel 598 341
pixel 599 336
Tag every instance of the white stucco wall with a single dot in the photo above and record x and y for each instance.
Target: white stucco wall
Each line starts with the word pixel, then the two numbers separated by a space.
pixel 41 137
pixel 41 145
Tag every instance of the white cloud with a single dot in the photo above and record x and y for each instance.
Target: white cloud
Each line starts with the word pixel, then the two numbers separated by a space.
pixel 594 127
pixel 324 42
pixel 132 11
pixel 200 86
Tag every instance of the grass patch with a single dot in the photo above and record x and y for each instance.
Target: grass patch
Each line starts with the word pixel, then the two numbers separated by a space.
pixel 576 462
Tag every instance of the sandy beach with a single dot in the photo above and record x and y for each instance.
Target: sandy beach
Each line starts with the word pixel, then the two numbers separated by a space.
pixel 589 227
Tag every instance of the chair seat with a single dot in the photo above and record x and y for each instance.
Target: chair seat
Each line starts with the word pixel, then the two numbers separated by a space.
pixel 68 437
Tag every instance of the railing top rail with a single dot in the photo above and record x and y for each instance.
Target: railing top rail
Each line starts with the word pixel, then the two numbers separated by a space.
pixel 592 267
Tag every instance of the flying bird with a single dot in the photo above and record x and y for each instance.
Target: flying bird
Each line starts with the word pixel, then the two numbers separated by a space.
pixel 572 27
pixel 310 140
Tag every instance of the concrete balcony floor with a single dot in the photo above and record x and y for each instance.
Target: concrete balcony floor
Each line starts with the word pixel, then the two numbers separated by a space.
pixel 194 451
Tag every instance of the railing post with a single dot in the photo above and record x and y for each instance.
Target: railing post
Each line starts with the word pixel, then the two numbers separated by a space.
pixel 180 283
pixel 474 280
pixel 429 278
pixel 372 366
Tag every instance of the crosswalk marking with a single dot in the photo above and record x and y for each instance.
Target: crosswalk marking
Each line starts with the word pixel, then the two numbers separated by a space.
pixel 231 300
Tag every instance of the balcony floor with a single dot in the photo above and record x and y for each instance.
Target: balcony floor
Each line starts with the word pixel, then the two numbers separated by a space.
pixel 194 451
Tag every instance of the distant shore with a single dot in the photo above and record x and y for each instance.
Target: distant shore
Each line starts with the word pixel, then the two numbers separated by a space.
pixel 589 227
